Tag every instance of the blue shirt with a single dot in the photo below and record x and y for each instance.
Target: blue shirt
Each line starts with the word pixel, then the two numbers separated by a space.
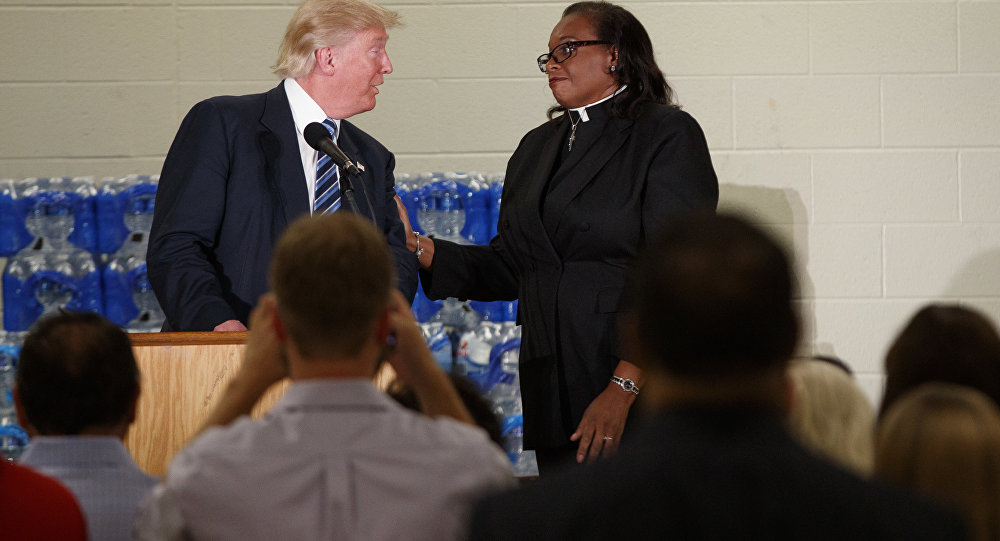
pixel 101 474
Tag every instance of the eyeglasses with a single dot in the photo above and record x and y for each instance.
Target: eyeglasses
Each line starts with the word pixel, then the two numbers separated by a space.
pixel 564 51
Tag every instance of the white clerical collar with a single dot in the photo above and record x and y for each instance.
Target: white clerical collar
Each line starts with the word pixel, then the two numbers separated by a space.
pixel 582 111
pixel 305 110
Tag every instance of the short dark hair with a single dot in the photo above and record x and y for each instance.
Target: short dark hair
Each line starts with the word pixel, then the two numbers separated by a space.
pixel 77 372
pixel 332 276
pixel 947 344
pixel 711 297
pixel 636 65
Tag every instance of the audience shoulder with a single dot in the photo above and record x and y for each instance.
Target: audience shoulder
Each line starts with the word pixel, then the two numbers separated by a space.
pixel 213 442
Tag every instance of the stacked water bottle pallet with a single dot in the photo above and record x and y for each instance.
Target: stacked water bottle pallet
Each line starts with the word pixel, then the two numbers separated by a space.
pixel 79 245
pixel 73 244
pixel 478 340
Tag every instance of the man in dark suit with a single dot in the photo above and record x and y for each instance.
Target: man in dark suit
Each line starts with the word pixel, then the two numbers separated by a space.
pixel 240 170
pixel 712 324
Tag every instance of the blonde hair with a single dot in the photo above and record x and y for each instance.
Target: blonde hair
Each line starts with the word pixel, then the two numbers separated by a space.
pixel 326 23
pixel 831 415
pixel 333 276
pixel 942 440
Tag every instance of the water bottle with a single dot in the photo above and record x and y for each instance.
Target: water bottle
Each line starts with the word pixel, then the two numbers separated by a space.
pixel 503 368
pixel 408 190
pixel 506 390
pixel 472 356
pixel 129 300
pixel 428 217
pixel 506 400
pixel 150 317
pixel 456 318
pixel 451 209
pixel 474 193
pixel 496 191
pixel 442 208
pixel 423 308
pixel 58 209
pixel 439 344
pixel 124 205
pixel 13 438
pixel 39 283
pixel 13 235
pixel 524 461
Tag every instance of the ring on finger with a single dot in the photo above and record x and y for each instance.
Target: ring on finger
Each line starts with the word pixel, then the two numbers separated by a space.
pixel 608 438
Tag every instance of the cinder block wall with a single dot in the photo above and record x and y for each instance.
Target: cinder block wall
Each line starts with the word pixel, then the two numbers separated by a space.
pixel 866 134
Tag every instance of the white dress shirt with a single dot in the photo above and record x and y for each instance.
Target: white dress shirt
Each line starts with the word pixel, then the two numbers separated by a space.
pixel 101 474
pixel 305 111
pixel 334 459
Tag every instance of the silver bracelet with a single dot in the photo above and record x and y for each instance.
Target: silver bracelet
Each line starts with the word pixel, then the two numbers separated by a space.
pixel 420 251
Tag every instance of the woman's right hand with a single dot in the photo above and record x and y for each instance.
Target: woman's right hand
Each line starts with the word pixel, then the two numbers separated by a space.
pixel 421 246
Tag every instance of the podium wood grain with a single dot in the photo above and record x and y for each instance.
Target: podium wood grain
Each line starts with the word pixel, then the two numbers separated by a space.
pixel 183 376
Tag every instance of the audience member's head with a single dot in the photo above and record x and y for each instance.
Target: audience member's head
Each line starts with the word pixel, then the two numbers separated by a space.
pixel 943 343
pixel 943 441
pixel 332 276
pixel 711 303
pixel 830 414
pixel 77 376
pixel 478 406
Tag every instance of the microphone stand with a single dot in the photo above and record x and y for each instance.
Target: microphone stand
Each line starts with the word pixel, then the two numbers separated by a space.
pixel 347 194
pixel 347 190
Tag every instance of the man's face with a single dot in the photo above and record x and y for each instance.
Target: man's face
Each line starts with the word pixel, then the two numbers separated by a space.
pixel 360 64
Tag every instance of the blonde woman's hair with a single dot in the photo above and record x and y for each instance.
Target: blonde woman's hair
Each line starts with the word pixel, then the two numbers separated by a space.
pixel 326 23
pixel 831 415
pixel 942 440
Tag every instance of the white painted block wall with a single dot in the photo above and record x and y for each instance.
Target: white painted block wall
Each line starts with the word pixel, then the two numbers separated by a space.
pixel 866 134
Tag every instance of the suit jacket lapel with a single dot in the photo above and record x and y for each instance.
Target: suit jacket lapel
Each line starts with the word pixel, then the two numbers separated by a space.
pixel 282 161
pixel 537 183
pixel 580 175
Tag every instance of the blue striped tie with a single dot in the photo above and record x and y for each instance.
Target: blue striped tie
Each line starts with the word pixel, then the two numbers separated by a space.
pixel 327 179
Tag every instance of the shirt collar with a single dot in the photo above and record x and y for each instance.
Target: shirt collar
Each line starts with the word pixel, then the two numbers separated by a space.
pixel 582 111
pixel 305 110
pixel 68 450
pixel 333 392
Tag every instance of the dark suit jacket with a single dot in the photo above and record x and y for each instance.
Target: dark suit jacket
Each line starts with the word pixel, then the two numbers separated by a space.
pixel 231 183
pixel 568 267
pixel 711 475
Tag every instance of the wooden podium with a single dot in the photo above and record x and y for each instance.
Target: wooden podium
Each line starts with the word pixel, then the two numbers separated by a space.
pixel 183 376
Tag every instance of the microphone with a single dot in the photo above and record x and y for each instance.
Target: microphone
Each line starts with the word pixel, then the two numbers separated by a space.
pixel 319 138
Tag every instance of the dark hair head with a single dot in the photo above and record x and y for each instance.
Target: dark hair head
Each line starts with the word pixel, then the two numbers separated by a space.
pixel 77 373
pixel 637 66
pixel 711 298
pixel 947 344
pixel 332 276
pixel 478 406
